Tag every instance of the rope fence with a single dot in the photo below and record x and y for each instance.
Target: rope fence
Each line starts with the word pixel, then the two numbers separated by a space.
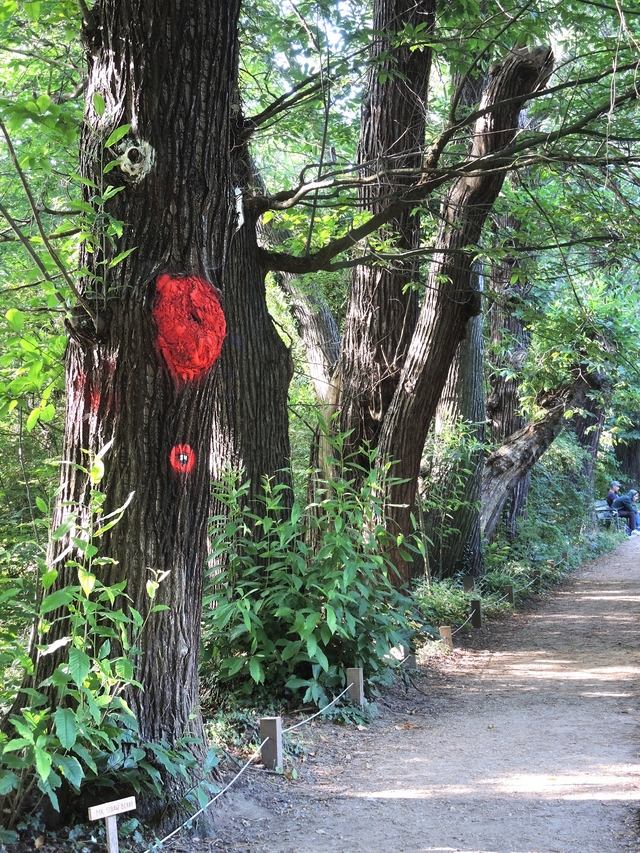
pixel 460 627
pixel 321 711
pixel 187 824
pixel 189 821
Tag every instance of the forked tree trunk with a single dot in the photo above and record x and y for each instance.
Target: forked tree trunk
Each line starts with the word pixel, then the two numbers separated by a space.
pixel 451 298
pixel 383 307
pixel 141 373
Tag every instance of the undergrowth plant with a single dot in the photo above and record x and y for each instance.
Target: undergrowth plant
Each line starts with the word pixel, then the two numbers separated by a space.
pixel 296 598
pixel 75 728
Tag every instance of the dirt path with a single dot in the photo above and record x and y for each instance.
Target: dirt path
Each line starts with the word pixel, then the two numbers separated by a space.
pixel 527 741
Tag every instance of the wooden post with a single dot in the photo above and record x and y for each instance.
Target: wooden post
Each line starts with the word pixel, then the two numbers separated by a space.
pixel 537 580
pixel 356 691
pixel 476 613
pixel 108 811
pixel 447 637
pixel 468 583
pixel 408 658
pixel 271 727
pixel 510 594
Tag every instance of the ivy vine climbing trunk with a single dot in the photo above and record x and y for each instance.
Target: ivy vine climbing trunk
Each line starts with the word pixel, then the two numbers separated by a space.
pixel 147 328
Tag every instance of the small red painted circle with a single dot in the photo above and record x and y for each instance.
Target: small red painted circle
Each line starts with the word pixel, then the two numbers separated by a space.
pixel 182 458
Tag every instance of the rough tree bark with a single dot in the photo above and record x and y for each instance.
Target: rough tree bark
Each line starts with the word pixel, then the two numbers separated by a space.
pixel 588 429
pixel 521 451
pixel 251 423
pixel 146 332
pixel 627 453
pixel 509 343
pixel 454 528
pixel 383 306
pixel 451 298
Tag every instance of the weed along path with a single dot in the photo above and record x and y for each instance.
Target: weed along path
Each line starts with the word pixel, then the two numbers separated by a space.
pixel 525 741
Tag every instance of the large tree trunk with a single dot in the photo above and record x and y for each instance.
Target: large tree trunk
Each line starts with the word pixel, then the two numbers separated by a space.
pixel 251 424
pixel 383 306
pixel 509 343
pixel 144 342
pixel 627 453
pixel 451 298
pixel 454 526
pixel 588 429
pixel 519 453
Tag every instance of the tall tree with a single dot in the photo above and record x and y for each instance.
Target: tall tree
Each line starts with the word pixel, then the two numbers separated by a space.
pixel 452 298
pixel 148 324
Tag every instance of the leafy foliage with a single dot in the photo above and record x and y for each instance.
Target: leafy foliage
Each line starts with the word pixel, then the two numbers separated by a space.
pixel 293 601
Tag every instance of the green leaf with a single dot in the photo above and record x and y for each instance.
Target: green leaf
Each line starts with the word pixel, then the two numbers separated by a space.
pixel 8 782
pixel 62 530
pixel 119 258
pixel 32 9
pixel 8 836
pixel 71 769
pixel 97 470
pixel 15 319
pixel 49 578
pixel 61 598
pixel 87 581
pixel 32 420
pixel 79 665
pixel 117 134
pixel 85 755
pixel 42 506
pixel 255 668
pixel 98 103
pixel 43 763
pixel 66 727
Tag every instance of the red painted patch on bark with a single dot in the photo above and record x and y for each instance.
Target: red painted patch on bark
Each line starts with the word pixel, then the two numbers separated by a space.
pixel 191 325
pixel 182 459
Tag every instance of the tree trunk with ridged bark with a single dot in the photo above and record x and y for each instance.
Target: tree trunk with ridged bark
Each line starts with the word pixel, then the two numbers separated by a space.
pixel 509 343
pixel 383 306
pixel 454 525
pixel 146 333
pixel 452 297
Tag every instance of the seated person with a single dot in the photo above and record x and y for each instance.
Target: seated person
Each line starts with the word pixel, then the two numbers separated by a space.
pixel 612 494
pixel 626 506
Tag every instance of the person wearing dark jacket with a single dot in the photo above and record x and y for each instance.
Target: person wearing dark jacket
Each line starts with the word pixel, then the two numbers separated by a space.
pixel 626 506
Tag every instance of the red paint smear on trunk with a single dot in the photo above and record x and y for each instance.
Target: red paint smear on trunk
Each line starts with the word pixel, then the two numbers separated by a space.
pixel 182 459
pixel 191 325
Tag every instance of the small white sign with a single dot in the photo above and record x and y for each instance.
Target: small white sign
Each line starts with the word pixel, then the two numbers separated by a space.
pixel 114 807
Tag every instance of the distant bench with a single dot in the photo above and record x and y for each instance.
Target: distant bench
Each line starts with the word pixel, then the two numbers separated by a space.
pixel 605 513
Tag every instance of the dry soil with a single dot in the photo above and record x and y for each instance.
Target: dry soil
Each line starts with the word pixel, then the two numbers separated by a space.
pixel 523 740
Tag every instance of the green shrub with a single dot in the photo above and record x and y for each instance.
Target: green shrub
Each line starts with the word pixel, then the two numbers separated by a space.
pixel 292 602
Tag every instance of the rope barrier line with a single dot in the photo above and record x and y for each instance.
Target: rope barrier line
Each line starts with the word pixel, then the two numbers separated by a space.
pixel 313 716
pixel 468 619
pixel 158 844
